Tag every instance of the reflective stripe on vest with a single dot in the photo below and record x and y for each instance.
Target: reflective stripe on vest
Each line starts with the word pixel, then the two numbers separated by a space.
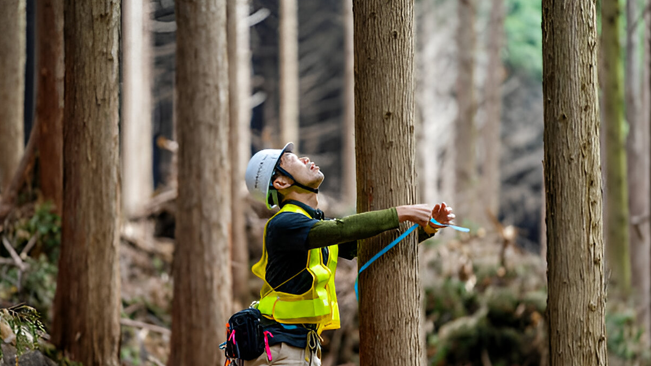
pixel 318 305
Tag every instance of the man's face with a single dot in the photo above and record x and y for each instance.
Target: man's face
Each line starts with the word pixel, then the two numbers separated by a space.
pixel 305 171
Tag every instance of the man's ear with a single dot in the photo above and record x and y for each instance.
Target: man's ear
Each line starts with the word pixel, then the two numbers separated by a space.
pixel 281 183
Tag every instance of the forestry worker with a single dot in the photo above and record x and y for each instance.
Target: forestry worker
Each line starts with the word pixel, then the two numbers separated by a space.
pixel 301 248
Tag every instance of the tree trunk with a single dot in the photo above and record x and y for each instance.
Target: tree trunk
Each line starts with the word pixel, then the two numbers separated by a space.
pixel 87 302
pixel 288 63
pixel 616 212
pixel 49 100
pixel 465 131
pixel 12 87
pixel 386 177
pixel 348 120
pixel 637 148
pixel 202 266
pixel 239 69
pixel 493 95
pixel 137 147
pixel 577 297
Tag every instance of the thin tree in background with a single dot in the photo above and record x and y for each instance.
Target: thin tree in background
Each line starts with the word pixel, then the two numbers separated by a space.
pixel 239 70
pixel 137 147
pixel 348 120
pixel 202 265
pixel 616 192
pixel 637 150
pixel 465 130
pixel 49 99
pixel 12 87
pixel 386 177
pixel 576 303
pixel 87 301
pixel 493 97
pixel 288 63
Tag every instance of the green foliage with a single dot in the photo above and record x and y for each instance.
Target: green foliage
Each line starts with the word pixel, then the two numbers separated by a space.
pixel 524 36
pixel 47 225
pixel 625 336
pixel 24 326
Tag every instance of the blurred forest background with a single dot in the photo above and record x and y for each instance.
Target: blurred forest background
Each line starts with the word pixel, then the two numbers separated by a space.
pixel 484 295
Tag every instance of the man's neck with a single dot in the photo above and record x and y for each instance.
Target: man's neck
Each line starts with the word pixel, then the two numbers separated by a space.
pixel 308 198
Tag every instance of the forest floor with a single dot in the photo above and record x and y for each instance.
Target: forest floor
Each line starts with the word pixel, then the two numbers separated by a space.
pixel 484 298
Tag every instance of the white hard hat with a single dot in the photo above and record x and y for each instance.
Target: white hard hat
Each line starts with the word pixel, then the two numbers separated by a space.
pixel 259 172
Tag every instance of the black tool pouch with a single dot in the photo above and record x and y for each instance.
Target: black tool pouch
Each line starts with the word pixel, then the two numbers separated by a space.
pixel 244 335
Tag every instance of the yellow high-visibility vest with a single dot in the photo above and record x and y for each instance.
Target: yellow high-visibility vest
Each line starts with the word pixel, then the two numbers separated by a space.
pixel 318 305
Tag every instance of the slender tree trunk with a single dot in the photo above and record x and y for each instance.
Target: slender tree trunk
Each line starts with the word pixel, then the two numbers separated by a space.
pixel 137 147
pixel 348 158
pixel 637 147
pixel 646 104
pixel 465 131
pixel 12 88
pixel 493 95
pixel 239 69
pixel 577 297
pixel 616 213
pixel 87 302
pixel 384 140
pixel 49 100
pixel 202 266
pixel 288 63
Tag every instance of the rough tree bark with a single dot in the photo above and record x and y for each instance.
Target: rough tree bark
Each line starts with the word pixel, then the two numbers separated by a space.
pixel 239 69
pixel 465 130
pixel 49 99
pixel 348 120
pixel 616 192
pixel 577 296
pixel 12 87
pixel 137 147
pixel 637 149
pixel 202 266
pixel 87 302
pixel 288 63
pixel 385 149
pixel 493 96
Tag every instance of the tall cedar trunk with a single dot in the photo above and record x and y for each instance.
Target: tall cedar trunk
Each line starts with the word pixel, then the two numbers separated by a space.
pixel 646 106
pixel 87 302
pixel 577 297
pixel 637 148
pixel 202 266
pixel 348 120
pixel 49 102
pixel 386 177
pixel 616 212
pixel 239 69
pixel 493 95
pixel 12 87
pixel 137 148
pixel 288 63
pixel 465 131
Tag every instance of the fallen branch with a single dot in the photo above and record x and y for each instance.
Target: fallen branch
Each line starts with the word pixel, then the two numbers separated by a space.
pixel 154 205
pixel 143 325
pixel 19 263
pixel 29 246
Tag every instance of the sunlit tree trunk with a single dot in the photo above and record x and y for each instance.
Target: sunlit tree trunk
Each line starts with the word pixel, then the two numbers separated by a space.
pixel 137 147
pixel 577 296
pixel 384 139
pixel 493 106
pixel 49 100
pixel 288 63
pixel 465 130
pixel 202 265
pixel 12 87
pixel 239 63
pixel 637 148
pixel 616 192
pixel 348 130
pixel 87 302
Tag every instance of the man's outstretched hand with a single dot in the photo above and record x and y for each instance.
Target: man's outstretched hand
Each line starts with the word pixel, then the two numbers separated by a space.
pixel 442 214
pixel 421 214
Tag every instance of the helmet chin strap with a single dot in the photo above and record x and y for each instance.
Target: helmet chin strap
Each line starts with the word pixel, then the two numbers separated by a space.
pixel 296 183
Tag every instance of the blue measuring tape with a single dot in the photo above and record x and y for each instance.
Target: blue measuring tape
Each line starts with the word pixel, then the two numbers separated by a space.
pixel 398 240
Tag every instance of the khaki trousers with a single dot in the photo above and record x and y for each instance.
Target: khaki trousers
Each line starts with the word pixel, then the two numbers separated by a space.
pixel 283 354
